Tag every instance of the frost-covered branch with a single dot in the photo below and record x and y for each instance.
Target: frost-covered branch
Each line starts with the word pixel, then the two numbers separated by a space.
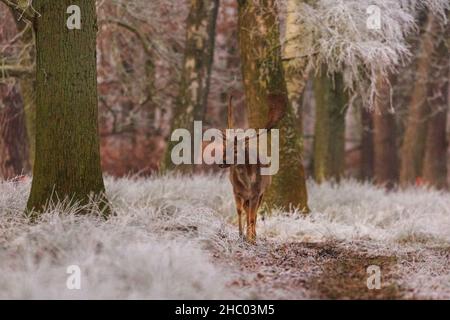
pixel 343 42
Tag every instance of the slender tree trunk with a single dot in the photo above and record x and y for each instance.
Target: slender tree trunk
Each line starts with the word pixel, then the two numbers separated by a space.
pixel 67 144
pixel 435 163
pixel 262 70
pixel 329 131
pixel 298 41
pixel 27 82
pixel 13 137
pixel 367 145
pixel 385 151
pixel 413 147
pixel 198 58
pixel 27 91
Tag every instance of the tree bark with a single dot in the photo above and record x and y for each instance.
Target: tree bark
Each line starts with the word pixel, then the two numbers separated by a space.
pixel 413 147
pixel 435 163
pixel 196 73
pixel 263 75
pixel 385 151
pixel 298 41
pixel 329 135
pixel 67 161
pixel 13 137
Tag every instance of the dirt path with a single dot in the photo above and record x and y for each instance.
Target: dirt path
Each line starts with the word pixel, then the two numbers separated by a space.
pixel 344 275
pixel 309 271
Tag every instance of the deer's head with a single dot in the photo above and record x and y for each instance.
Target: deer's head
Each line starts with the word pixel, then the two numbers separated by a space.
pixel 277 108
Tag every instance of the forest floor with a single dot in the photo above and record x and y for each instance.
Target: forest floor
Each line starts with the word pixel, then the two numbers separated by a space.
pixel 176 237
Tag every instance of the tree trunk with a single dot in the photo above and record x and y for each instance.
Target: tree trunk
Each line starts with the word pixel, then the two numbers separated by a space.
pixel 263 75
pixel 367 145
pixel 13 137
pixel 435 163
pixel 295 65
pixel 385 151
pixel 67 145
pixel 329 131
pixel 27 82
pixel 413 146
pixel 27 91
pixel 195 78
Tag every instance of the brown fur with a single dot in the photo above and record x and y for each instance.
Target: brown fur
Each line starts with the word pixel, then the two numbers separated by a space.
pixel 248 183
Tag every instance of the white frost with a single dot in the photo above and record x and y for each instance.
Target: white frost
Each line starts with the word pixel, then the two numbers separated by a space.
pixel 161 242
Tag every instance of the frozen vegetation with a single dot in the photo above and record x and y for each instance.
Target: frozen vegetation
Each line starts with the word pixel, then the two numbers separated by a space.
pixel 175 237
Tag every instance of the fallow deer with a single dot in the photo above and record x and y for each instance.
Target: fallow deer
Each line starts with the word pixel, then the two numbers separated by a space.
pixel 248 184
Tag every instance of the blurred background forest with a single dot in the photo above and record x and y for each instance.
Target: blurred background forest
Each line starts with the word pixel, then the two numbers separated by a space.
pixel 365 87
pixel 142 48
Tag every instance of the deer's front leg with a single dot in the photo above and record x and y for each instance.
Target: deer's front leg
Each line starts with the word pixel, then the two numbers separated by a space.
pixel 239 209
pixel 251 219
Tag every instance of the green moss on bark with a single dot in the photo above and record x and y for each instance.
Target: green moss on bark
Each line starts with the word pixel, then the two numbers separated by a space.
pixel 263 75
pixel 67 163
pixel 329 131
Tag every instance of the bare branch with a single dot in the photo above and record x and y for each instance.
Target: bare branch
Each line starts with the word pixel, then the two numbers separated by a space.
pixel 133 30
pixel 15 71
pixel 25 9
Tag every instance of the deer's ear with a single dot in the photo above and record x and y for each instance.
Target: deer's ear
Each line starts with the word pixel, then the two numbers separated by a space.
pixel 277 109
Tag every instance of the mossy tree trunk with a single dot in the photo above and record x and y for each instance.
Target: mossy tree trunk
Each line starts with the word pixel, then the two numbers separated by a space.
pixel 329 131
pixel 67 145
pixel 385 150
pixel 413 147
pixel 263 75
pixel 196 72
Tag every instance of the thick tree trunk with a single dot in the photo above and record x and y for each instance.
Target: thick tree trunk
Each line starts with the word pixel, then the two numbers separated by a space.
pixel 329 131
pixel 13 136
pixel 435 163
pixel 67 145
pixel 413 147
pixel 263 75
pixel 367 145
pixel 195 78
pixel 385 151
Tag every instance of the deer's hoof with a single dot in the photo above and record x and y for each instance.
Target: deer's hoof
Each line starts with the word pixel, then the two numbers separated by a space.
pixel 251 240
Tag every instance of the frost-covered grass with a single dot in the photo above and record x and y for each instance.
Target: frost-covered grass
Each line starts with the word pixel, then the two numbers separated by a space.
pixel 153 248
pixel 354 211
pixel 166 235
